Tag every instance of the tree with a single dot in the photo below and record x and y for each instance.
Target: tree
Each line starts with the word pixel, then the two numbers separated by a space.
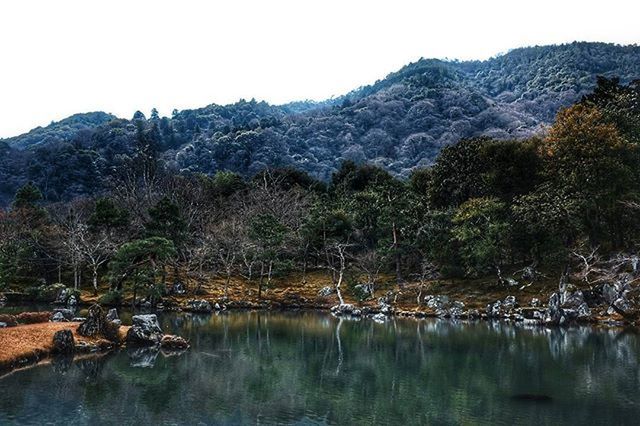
pixel 140 263
pixel 71 222
pixel 228 235
pixel 481 229
pixel 269 234
pixel 587 156
pixel 165 220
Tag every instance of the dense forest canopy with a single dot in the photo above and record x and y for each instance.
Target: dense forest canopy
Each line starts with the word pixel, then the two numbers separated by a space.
pixel 400 123
pixel 486 204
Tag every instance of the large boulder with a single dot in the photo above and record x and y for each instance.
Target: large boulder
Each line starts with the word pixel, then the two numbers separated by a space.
pixel 63 342
pixel 97 324
pixel 145 330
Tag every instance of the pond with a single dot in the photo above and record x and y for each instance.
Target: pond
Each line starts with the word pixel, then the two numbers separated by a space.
pixel 311 368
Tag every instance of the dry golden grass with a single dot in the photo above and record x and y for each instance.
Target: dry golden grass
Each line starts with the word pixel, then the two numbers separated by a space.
pixel 34 341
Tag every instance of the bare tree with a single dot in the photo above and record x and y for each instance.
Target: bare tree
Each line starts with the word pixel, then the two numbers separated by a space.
pixel 370 262
pixel 337 256
pixel 428 272
pixel 70 220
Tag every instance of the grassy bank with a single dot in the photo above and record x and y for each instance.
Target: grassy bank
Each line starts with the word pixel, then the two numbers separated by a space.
pixel 26 344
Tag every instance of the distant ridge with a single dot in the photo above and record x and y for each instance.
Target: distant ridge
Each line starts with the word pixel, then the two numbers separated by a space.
pixel 400 122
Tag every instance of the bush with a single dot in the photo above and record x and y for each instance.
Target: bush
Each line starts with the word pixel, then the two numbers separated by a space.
pixel 33 317
pixel 112 298
pixel 45 293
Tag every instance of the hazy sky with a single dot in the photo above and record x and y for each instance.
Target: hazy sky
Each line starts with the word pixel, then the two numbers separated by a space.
pixel 66 56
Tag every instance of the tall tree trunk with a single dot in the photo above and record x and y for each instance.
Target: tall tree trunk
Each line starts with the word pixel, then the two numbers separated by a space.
pixel 396 251
pixel 95 280
pixel 261 279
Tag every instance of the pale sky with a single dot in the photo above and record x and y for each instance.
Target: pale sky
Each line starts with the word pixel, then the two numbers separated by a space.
pixel 66 56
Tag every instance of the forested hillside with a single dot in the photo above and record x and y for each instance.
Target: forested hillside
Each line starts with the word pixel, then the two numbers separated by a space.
pixel 485 206
pixel 399 123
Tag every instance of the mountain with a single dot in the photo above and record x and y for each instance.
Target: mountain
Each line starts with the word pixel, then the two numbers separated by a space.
pixel 60 131
pixel 400 122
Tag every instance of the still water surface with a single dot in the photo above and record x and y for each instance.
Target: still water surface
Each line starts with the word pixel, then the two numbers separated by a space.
pixel 311 368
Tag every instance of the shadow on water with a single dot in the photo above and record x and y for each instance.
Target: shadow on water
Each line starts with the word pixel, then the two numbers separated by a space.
pixel 312 368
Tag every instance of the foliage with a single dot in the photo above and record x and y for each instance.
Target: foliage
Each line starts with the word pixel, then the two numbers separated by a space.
pixel 482 231
pixel 484 204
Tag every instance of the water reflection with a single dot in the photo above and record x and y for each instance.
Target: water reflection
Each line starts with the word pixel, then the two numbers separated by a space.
pixel 311 368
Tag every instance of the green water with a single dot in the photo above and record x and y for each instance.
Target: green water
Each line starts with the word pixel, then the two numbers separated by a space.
pixel 311 368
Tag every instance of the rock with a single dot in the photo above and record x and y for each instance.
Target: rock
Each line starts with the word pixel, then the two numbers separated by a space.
pixel 62 296
pixel 346 309
pixel 583 311
pixel 174 343
pixel 535 302
pixel 622 305
pixel 511 282
pixel 145 330
pixel 178 288
pixel 326 291
pixel 553 314
pixel 455 310
pixel 78 319
pixel 71 301
pixel 9 320
pixel 112 315
pixel 494 310
pixel 94 323
pixel 436 302
pixel 509 303
pixel 385 308
pixel 473 314
pixel 58 317
pixel 3 325
pixel 67 313
pixel 379 317
pixel 571 298
pixel 201 306
pixel 63 342
pixel 97 324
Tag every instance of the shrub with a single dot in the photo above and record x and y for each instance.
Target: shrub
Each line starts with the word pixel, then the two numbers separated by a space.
pixel 111 298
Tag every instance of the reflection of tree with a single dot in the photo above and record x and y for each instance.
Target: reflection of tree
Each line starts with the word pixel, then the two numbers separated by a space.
pixel 306 367
pixel 340 354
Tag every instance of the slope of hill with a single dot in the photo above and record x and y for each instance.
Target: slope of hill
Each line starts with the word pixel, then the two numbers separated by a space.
pixel 400 122
pixel 60 131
